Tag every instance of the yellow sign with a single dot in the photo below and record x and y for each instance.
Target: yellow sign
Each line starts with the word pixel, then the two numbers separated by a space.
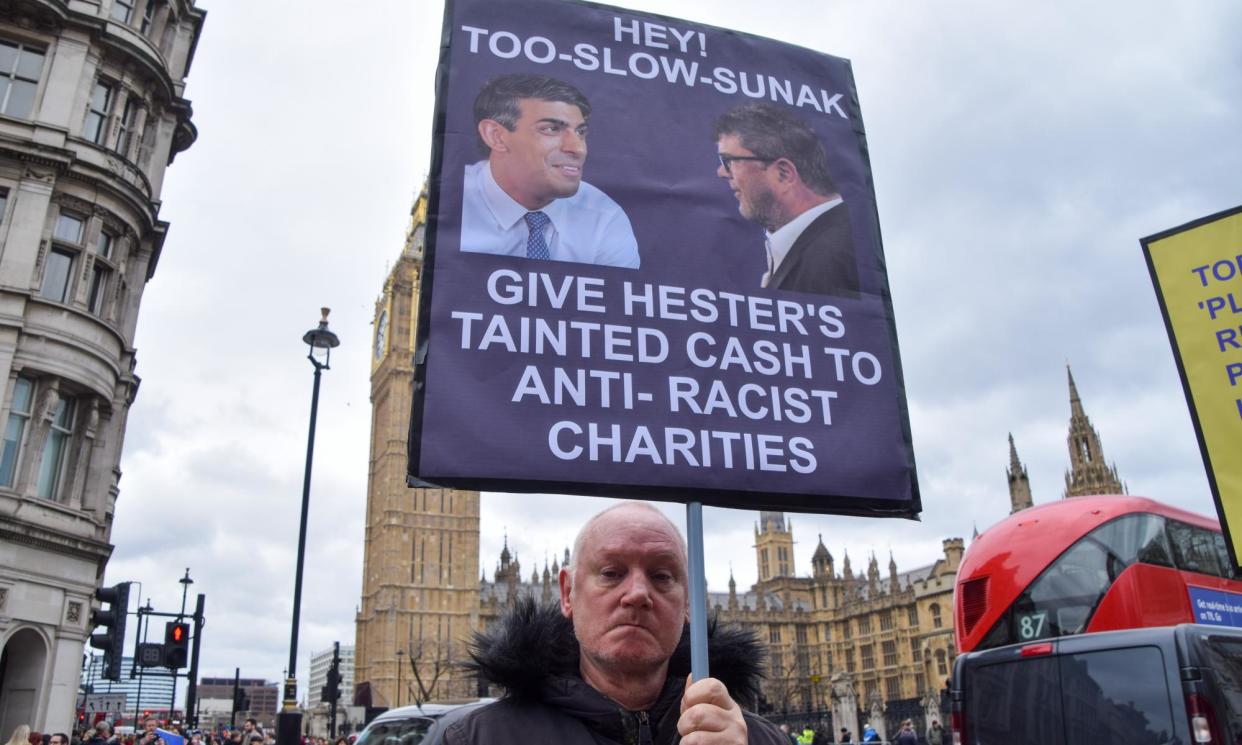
pixel 1197 271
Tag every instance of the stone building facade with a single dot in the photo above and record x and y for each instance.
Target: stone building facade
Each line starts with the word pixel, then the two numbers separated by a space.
pixel 836 640
pixel 92 111
pixel 420 597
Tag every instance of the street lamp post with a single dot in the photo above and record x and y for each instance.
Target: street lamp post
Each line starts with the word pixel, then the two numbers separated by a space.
pixel 289 722
pixel 400 653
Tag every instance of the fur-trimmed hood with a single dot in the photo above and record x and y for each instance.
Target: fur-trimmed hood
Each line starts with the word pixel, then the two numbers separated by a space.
pixel 533 644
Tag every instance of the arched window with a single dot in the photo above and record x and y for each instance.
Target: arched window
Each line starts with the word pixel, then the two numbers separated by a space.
pixel 942 665
pixel 935 613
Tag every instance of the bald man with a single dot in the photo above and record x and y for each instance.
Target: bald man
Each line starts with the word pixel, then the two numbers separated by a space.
pixel 610 663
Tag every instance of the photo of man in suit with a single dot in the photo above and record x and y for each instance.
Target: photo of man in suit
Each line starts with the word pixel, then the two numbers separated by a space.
pixel 527 197
pixel 778 170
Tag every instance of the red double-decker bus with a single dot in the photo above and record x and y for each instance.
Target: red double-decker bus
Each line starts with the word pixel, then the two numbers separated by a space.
pixel 1093 564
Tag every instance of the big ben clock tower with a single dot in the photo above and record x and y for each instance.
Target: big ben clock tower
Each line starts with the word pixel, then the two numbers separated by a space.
pixel 420 572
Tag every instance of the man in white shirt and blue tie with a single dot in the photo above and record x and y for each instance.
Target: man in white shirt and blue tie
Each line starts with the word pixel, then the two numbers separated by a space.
pixel 528 198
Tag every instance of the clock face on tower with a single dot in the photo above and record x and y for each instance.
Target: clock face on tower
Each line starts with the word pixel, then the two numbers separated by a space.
pixel 381 334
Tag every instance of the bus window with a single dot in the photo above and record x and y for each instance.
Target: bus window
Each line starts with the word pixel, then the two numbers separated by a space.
pixel 1062 599
pixel 1195 549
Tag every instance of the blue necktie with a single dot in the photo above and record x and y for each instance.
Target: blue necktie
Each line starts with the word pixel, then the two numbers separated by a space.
pixel 536 246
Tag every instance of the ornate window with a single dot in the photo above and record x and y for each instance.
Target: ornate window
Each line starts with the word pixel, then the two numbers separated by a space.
pixel 935 614
pixel 15 430
pixel 942 666
pixel 867 651
pixel 122 10
pixel 892 688
pixel 148 16
pixel 890 653
pixel 97 111
pixel 128 125
pixel 916 652
pixel 69 227
pixel 20 70
pixel 56 450
pixel 914 615
pixel 864 625
pixel 886 620
pixel 56 275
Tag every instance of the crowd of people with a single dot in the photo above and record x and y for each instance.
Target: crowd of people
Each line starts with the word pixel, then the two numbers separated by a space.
pixel 936 734
pixel 152 733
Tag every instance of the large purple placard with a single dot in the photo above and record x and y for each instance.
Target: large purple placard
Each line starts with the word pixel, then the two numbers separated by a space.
pixel 689 302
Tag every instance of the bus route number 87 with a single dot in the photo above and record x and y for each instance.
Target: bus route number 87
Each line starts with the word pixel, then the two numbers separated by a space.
pixel 1031 626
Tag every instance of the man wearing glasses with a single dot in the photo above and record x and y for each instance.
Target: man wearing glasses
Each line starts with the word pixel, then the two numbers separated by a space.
pixel 527 198
pixel 778 170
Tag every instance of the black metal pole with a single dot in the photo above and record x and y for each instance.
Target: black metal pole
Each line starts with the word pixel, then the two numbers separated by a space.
pixel 289 727
pixel 236 680
pixel 191 693
pixel 336 689
pixel 172 698
pixel 143 635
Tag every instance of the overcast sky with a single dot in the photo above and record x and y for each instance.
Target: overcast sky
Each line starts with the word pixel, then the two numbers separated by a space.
pixel 1019 151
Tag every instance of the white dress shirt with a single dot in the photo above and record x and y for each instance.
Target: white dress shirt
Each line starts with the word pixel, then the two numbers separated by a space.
pixel 779 244
pixel 588 227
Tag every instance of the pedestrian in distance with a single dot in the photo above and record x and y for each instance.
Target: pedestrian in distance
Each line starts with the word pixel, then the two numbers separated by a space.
pixel 784 728
pixel 20 736
pixel 907 736
pixel 845 737
pixel 149 735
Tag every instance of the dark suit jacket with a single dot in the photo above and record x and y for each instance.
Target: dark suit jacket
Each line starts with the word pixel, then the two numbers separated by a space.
pixel 822 258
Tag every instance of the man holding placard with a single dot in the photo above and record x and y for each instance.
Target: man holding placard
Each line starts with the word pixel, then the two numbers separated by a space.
pixel 610 665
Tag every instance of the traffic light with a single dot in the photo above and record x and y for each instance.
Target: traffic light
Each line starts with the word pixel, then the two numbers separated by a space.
pixel 176 644
pixel 332 690
pixel 112 640
pixel 241 700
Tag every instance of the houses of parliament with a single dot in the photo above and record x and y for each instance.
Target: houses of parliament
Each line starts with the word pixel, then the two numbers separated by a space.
pixel 423 593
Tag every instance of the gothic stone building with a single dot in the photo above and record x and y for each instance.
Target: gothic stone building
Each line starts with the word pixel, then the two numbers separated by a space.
pixel 92 111
pixel 885 636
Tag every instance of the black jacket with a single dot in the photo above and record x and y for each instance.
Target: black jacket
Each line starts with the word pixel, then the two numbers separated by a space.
pixel 822 258
pixel 532 653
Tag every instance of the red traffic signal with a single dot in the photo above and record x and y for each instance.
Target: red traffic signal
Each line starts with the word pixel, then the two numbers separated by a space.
pixel 176 644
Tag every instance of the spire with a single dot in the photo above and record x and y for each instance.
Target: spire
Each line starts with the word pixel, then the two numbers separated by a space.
pixel 1075 401
pixel 1088 472
pixel 821 560
pixel 892 572
pixel 975 532
pixel 1019 484
pixel 772 521
pixel 733 604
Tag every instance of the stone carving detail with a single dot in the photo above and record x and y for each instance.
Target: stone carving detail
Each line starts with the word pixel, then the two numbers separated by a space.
pixel 845 703
pixel 4 597
pixel 931 707
pixel 73 614
pixel 47 406
pixel 39 174
pixel 877 716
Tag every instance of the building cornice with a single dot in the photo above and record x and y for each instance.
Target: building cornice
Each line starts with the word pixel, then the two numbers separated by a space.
pixel 25 533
